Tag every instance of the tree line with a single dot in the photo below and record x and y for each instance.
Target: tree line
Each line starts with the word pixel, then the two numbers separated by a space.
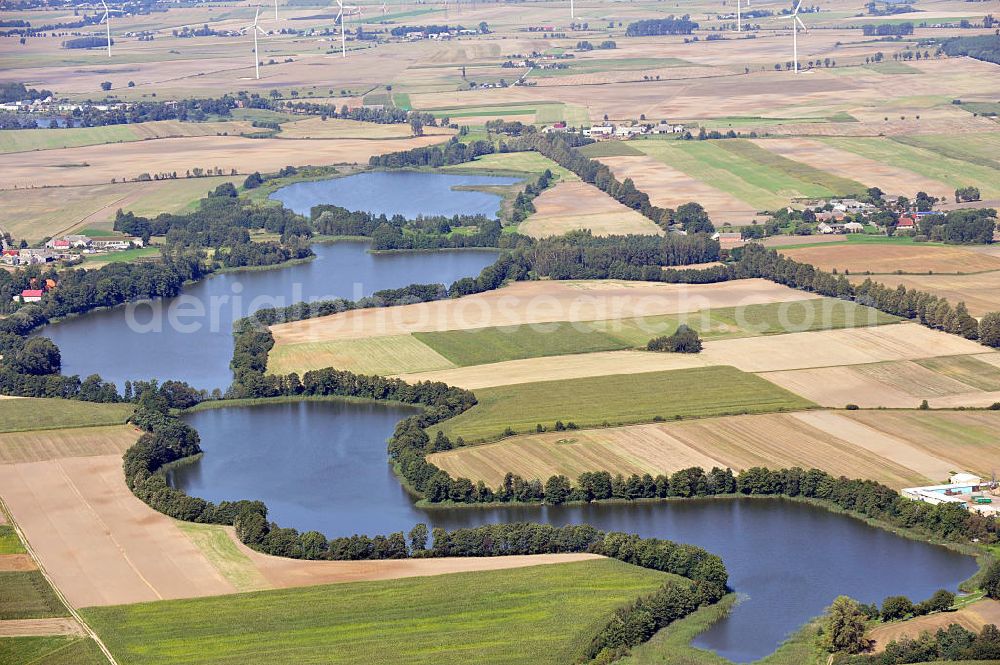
pixel 661 26
pixel 980 47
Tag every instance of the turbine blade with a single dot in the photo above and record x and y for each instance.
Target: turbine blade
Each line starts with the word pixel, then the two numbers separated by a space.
pixel 801 24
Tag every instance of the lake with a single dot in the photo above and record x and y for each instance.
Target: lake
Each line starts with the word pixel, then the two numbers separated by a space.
pixel 189 338
pixel 400 192
pixel 323 466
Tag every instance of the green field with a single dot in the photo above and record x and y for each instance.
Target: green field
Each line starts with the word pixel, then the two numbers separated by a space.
pixel 892 67
pixel 9 542
pixel 27 595
pixel 29 413
pixel 967 369
pixel 522 162
pixel 793 169
pixel 540 615
pixel 618 400
pixel 54 650
pixel 951 172
pixel 95 260
pixel 982 149
pixel 610 149
pixel 762 186
pixel 489 345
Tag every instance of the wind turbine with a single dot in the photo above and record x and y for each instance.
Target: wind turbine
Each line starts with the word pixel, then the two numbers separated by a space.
pixel 256 29
pixel 107 21
pixel 276 11
pixel 342 17
pixel 796 22
pixel 385 10
pixel 572 10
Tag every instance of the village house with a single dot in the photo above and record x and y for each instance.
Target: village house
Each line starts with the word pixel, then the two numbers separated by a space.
pixel 665 127
pixel 30 295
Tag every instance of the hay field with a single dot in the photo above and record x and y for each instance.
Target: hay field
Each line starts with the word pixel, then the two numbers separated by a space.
pixel 101 163
pixel 18 415
pixel 538 302
pixel 951 172
pixel 540 614
pixel 617 399
pixel 522 162
pixel 389 354
pixel 34 214
pixel 887 174
pixel 569 206
pixel 670 187
pixel 47 444
pixel 887 258
pixel 830 441
pixel 971 617
pixel 25 140
pixel 340 128
pixel 980 293
pixel 945 382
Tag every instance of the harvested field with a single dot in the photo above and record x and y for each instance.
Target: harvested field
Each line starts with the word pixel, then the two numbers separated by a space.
pixel 101 544
pixel 569 206
pixel 537 302
pixel 971 617
pixel 41 445
pixel 17 415
pixel 887 174
pixel 980 293
pixel 523 162
pixel 670 187
pixel 16 562
pixel 100 164
pixel 39 627
pixel 825 440
pixel 617 399
pixel 25 140
pixel 390 354
pixel 341 128
pixel 886 258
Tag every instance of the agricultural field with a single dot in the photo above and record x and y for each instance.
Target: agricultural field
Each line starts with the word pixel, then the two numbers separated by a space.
pixel 25 140
pixel 878 258
pixel 516 162
pixel 971 617
pixel 29 413
pixel 34 214
pixel 980 292
pixel 46 444
pixel 50 650
pixel 889 447
pixel 617 399
pixel 338 128
pixel 541 614
pixel 569 206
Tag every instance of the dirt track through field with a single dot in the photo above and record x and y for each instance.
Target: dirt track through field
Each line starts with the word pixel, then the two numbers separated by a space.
pixel 537 302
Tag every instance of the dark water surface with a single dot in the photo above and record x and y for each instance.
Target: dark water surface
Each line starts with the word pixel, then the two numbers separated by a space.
pixel 322 465
pixel 189 338
pixel 405 193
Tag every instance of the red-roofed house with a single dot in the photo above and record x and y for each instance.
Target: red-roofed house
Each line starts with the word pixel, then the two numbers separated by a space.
pixel 907 222
pixel 31 295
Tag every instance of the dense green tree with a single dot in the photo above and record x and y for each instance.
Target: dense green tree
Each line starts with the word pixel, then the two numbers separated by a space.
pixel 844 627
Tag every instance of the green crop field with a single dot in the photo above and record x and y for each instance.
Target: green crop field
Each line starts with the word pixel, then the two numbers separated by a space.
pixel 953 173
pixel 9 542
pixel 124 256
pixel 967 369
pixel 23 414
pixel 51 650
pixel 610 149
pixel 797 170
pixel 540 615
pixel 892 67
pixel 388 354
pixel 982 148
pixel 762 186
pixel 522 162
pixel 26 595
pixel 618 400
pixel 479 346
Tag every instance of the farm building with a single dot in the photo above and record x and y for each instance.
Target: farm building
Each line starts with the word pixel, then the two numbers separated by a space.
pixel 965 489
pixel 30 295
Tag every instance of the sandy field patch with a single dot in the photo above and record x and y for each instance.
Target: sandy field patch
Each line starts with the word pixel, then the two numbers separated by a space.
pixel 40 627
pixel 821 439
pixel 577 205
pixel 670 187
pixel 99 543
pixel 16 562
pixel 101 163
pixel 879 258
pixel 972 617
pixel 41 445
pixel 980 293
pixel 341 128
pixel 537 302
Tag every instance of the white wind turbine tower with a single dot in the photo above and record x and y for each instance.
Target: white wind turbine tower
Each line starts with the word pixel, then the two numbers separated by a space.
pixel 276 11
pixel 342 17
pixel 572 10
pixel 256 29
pixel 106 20
pixel 796 23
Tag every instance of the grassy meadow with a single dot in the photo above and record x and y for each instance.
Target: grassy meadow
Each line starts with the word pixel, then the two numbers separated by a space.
pixel 50 650
pixel 30 413
pixel 25 594
pixel 9 542
pixel 618 400
pixel 540 614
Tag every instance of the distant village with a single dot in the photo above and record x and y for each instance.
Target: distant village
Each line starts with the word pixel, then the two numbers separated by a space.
pixel 67 248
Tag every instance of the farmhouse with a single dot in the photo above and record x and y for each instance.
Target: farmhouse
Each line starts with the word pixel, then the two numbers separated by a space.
pixel 907 222
pixel 30 295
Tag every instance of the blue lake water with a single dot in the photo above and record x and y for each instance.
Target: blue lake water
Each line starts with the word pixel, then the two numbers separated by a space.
pixel 403 192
